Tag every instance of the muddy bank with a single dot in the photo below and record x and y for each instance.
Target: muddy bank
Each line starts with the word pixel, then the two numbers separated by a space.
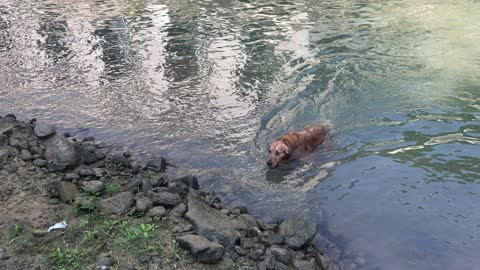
pixel 127 214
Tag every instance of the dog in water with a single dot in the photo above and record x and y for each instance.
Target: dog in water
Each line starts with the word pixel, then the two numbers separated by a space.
pixel 295 145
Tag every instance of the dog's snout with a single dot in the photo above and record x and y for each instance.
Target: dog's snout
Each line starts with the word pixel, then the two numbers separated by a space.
pixel 269 163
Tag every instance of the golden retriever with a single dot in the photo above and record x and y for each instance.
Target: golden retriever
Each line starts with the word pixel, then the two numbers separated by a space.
pixel 295 145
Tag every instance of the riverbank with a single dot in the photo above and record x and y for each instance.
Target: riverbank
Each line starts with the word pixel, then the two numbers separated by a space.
pixel 127 214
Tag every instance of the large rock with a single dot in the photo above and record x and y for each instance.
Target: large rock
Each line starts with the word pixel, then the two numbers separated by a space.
pixel 66 191
pixel 43 129
pixel 118 204
pixel 60 149
pixel 165 198
pixel 298 231
pixel 143 204
pixel 211 223
pixel 204 250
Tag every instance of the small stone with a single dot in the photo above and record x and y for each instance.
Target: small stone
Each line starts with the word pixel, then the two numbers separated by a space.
pixel 86 172
pixel 190 180
pixel 26 155
pixel 101 145
pixel 157 211
pixel 143 204
pixel 71 176
pixel 4 254
pixel 204 250
pixel 57 166
pixel 36 150
pixel 88 139
pixel 43 129
pixel 100 155
pixel 247 243
pixel 275 239
pixel 177 212
pixel 94 186
pixel 281 254
pixel 98 172
pixel 3 140
pixel 104 260
pixel 301 264
pixel 257 254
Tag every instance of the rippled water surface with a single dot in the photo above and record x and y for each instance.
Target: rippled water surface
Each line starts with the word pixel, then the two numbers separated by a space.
pixel 209 84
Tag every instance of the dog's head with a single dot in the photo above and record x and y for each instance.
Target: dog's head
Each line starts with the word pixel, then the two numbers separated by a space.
pixel 279 152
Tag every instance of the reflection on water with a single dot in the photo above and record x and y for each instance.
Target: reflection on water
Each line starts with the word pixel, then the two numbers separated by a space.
pixel 210 83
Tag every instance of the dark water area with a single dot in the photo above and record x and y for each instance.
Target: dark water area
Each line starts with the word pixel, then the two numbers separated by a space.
pixel 209 84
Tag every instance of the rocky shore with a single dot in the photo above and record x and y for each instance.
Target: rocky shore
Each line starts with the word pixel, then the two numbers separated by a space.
pixel 127 214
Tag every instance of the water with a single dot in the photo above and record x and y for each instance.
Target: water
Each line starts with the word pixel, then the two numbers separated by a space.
pixel 209 84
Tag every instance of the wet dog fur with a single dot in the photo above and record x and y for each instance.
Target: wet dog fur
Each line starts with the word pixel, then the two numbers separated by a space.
pixel 295 145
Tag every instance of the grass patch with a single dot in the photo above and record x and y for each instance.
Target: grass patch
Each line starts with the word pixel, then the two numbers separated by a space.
pixel 113 187
pixel 68 258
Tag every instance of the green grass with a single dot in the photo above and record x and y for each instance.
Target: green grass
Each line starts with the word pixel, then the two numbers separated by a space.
pixel 68 258
pixel 113 187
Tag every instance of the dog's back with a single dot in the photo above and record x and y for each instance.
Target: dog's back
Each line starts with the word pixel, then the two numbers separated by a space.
pixel 304 142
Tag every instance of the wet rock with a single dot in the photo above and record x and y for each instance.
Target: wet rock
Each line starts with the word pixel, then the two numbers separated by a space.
pixel 157 211
pixel 43 129
pixel 177 212
pixel 180 188
pixel 143 204
pixel 100 155
pixel 60 149
pixel 101 145
pixel 157 165
pixel 298 232
pixel 118 204
pixel 86 172
pixel 94 186
pixel 66 191
pixel 244 223
pixel 40 162
pixel 10 116
pixel 165 198
pixel 210 223
pixel 204 250
pixel 190 181
pixel 71 176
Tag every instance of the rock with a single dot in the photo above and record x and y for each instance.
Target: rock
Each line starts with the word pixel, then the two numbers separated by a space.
pixel 298 231
pixel 62 150
pixel 247 243
pixel 3 140
pixel 98 172
pixel 71 176
pixel 43 129
pixel 157 211
pixel 240 251
pixel 100 155
pixel 204 250
pixel 104 260
pixel 190 180
pixel 121 160
pixel 257 254
pixel 35 150
pixel 301 264
pixel 177 212
pixel 157 165
pixel 4 153
pixel 143 204
pixel 26 156
pixel 66 191
pixel 210 223
pixel 281 254
pixel 94 186
pixel 245 222
pixel 4 254
pixel 117 204
pixel 275 239
pixel 86 172
pixel 238 210
pixel 40 162
pixel 57 166
pixel 84 202
pixel 18 133
pixel 165 198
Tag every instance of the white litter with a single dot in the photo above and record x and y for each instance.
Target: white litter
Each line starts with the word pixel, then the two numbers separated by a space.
pixel 60 225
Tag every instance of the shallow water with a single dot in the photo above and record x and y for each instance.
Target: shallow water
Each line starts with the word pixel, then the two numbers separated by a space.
pixel 209 84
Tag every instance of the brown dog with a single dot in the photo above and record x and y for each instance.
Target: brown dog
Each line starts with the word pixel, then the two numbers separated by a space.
pixel 296 145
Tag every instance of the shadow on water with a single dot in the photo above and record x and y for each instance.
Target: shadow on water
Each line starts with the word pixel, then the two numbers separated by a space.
pixel 211 83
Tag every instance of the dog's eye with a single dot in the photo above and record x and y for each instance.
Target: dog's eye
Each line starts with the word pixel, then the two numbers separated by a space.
pixel 277 153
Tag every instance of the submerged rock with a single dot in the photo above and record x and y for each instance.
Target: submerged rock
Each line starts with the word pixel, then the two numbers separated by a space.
pixel 204 250
pixel 298 232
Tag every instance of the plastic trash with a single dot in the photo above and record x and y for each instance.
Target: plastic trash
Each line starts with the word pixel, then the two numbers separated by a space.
pixel 60 225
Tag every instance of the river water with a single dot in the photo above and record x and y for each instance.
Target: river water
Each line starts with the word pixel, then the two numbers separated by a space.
pixel 210 83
